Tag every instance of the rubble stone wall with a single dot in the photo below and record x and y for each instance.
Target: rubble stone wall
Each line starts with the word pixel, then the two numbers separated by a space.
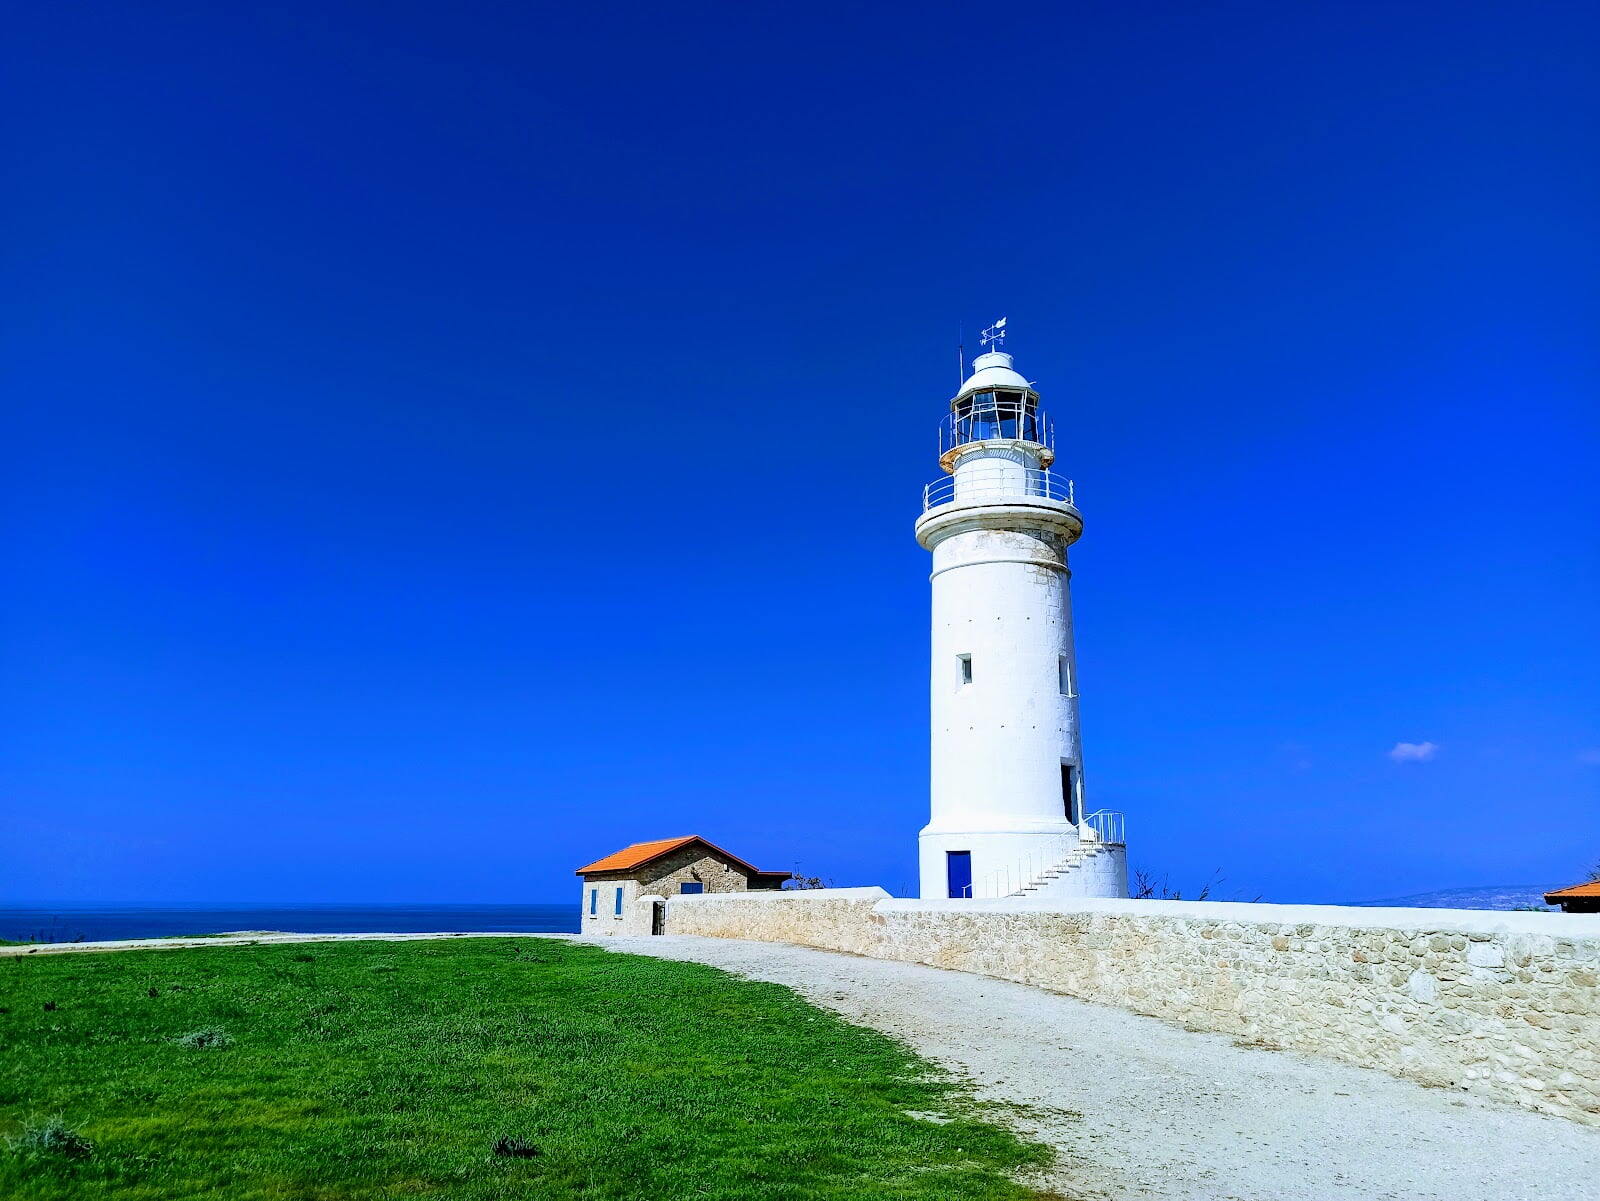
pixel 1503 1005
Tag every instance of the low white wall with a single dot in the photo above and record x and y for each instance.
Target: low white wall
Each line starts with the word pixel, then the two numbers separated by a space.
pixel 1504 1005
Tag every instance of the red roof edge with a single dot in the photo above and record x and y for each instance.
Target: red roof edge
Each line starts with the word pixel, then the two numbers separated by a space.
pixel 1589 888
pixel 674 844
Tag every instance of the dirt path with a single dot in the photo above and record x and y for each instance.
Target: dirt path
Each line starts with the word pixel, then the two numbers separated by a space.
pixel 1141 1109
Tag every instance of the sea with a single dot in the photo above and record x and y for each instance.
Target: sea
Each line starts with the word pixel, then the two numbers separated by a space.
pixel 86 923
pixel 1491 896
pixel 81 923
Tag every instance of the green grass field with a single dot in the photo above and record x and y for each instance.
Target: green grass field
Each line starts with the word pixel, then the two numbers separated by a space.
pixel 326 1071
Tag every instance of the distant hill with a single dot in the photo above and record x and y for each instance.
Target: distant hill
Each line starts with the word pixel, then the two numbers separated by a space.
pixel 1493 896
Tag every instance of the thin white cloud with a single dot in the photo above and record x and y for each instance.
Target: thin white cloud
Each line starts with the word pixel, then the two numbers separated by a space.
pixel 1413 752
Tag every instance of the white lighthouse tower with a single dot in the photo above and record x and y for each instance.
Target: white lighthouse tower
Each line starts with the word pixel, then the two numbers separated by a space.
pixel 1007 764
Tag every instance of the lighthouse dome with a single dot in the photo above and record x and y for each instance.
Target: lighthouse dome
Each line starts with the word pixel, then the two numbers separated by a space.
pixel 993 370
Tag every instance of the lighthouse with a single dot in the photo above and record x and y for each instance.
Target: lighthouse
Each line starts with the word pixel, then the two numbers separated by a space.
pixel 1007 793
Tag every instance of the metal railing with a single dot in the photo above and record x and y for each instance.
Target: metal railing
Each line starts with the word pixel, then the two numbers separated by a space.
pixel 1108 826
pixel 1105 827
pixel 997 483
pixel 1010 880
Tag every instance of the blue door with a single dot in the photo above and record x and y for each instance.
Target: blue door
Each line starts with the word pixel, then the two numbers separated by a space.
pixel 958 871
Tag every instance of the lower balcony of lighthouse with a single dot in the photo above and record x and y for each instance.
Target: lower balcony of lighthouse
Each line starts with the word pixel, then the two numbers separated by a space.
pixel 1000 482
pixel 998 498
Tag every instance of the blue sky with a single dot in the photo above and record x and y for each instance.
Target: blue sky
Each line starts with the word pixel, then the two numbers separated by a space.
pixel 445 443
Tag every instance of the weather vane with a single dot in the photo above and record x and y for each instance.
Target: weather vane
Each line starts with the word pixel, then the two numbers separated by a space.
pixel 995 334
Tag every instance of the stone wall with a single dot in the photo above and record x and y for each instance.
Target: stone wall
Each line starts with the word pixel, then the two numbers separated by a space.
pixel 691 863
pixel 1503 1005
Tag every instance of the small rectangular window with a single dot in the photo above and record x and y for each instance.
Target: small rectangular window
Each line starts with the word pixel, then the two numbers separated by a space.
pixel 619 902
pixel 1064 675
pixel 691 886
pixel 965 662
pixel 594 899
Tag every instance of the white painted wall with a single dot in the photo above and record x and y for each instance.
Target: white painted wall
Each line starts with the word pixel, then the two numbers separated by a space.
pixel 636 910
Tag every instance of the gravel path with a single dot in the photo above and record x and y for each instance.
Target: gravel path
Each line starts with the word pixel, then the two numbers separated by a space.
pixel 1141 1109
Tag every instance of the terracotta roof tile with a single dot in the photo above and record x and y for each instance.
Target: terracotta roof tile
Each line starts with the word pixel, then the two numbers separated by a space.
pixel 637 854
pixel 1590 889
pixel 641 853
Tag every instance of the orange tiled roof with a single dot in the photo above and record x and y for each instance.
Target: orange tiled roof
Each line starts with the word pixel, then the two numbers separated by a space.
pixel 1590 889
pixel 641 853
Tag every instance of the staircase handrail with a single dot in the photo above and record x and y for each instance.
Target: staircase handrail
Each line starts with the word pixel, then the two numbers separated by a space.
pixel 1104 825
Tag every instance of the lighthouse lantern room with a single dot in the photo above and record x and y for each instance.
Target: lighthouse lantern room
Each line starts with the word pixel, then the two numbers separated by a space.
pixel 1007 786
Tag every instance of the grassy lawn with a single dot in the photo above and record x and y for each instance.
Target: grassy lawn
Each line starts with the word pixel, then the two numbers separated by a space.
pixel 324 1071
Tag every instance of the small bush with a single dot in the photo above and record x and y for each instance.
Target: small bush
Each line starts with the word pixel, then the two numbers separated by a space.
pixel 206 1040
pixel 51 1139
pixel 515 1148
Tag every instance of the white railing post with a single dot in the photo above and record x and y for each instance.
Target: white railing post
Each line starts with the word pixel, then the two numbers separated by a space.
pixel 1106 825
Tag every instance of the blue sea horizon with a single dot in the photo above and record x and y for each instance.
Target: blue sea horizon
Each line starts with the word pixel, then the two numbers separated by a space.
pixel 39 921
pixel 69 922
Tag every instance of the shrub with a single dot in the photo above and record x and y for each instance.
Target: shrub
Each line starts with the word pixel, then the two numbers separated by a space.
pixel 206 1039
pixel 52 1139
pixel 516 1148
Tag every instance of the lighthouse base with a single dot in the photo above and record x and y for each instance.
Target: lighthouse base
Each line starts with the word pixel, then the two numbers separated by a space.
pixel 1051 860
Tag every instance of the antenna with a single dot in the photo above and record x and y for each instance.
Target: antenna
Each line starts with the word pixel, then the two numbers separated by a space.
pixel 961 354
pixel 995 334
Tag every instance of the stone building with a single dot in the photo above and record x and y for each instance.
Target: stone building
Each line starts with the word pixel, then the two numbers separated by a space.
pixel 626 892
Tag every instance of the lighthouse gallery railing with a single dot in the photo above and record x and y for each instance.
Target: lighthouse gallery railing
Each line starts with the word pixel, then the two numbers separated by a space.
pixel 998 483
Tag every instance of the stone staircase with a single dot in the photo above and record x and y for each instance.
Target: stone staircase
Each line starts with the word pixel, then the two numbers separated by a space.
pixel 1059 880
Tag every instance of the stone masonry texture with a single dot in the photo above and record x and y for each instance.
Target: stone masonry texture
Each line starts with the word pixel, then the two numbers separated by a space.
pixel 1502 1005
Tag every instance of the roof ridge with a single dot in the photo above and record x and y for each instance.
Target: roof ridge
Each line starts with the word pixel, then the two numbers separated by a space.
pixel 654 848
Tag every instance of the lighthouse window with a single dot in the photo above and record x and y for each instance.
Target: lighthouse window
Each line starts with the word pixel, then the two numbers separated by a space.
pixel 1064 675
pixel 965 663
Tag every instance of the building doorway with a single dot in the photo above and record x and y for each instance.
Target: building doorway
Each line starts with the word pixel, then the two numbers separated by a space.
pixel 1069 793
pixel 658 917
pixel 958 872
